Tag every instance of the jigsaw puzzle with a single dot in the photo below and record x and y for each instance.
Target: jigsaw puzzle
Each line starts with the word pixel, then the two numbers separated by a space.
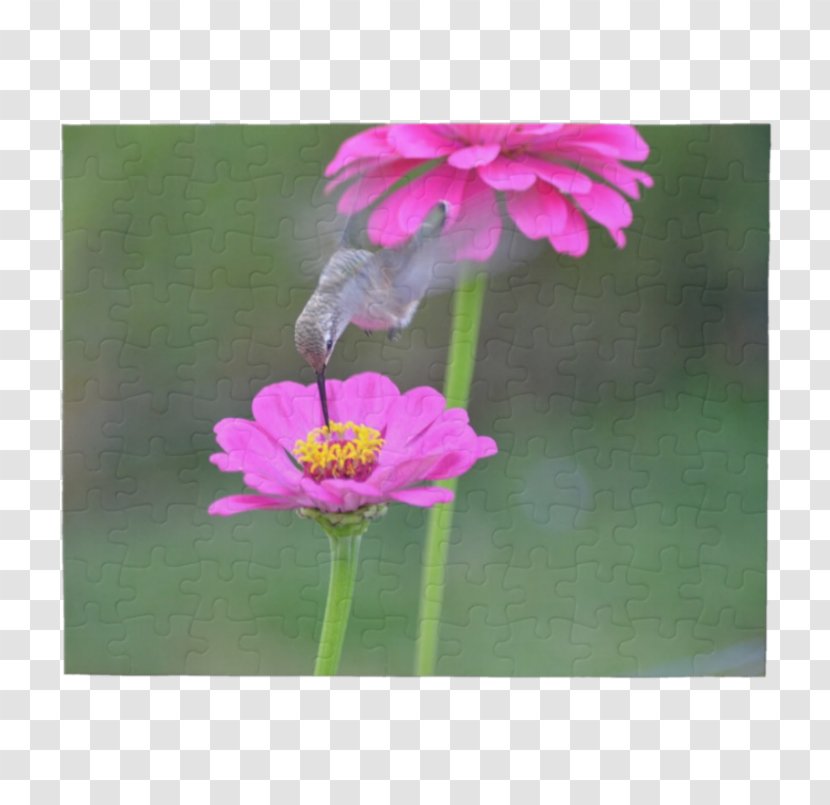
pixel 601 317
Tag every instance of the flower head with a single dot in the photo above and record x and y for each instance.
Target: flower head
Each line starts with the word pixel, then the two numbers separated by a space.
pixel 381 446
pixel 550 174
pixel 339 450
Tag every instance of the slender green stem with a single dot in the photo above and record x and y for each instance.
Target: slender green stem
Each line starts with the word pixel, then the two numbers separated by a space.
pixel 344 550
pixel 466 319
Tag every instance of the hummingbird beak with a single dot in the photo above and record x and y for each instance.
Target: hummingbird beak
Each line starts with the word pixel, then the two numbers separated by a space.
pixel 321 387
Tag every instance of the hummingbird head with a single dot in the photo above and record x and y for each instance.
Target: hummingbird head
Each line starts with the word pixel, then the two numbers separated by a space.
pixel 315 335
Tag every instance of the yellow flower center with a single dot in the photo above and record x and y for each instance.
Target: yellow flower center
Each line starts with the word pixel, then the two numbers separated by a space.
pixel 345 450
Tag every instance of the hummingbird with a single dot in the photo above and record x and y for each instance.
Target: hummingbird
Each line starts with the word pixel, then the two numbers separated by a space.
pixel 378 290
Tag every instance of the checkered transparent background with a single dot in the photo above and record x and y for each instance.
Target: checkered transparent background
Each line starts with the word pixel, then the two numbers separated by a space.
pixel 227 740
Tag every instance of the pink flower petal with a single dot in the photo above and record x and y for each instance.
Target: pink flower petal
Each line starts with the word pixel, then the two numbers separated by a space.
pixel 520 173
pixel 621 176
pixel 476 227
pixel 316 496
pixel 404 471
pixel 507 174
pixel 363 398
pixel 480 133
pixel 419 141
pixel 250 450
pixel 373 184
pixel 542 212
pixel 236 504
pixel 423 496
pixel 572 238
pixel 288 411
pixel 447 448
pixel 486 446
pixel 457 462
pixel 451 423
pixel 456 415
pixel 607 207
pixel 447 433
pixel 450 466
pixel 523 133
pixel 538 212
pixel 357 167
pixel 410 415
pixel 618 141
pixel 370 143
pixel 352 494
pixel 242 438
pixel 398 216
pixel 474 156
pixel 562 177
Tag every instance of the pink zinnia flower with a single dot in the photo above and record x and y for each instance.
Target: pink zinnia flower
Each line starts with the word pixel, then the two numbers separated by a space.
pixel 549 173
pixel 381 446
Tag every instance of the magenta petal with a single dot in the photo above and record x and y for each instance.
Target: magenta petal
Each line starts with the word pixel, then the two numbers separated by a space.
pixel 448 447
pixel 456 415
pixel 451 466
pixel 419 141
pixel 457 462
pixel 486 446
pixel 477 227
pixel 242 439
pixel 481 133
pixel 621 176
pixel 288 411
pixel 363 398
pixel 369 386
pixel 624 141
pixel 524 134
pixel 562 177
pixel 423 496
pixel 268 486
pixel 507 174
pixel 353 494
pixel 268 480
pixel 248 449
pixel 410 415
pixel 572 238
pixel 617 141
pixel 370 143
pixel 445 434
pixel 607 207
pixel 538 212
pixel 474 156
pixel 398 216
pixel 374 182
pixel 316 496
pixel 236 504
pixel 357 167
pixel 405 471
pixel 543 212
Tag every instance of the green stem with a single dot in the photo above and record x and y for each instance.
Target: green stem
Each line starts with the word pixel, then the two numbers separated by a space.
pixel 344 550
pixel 466 319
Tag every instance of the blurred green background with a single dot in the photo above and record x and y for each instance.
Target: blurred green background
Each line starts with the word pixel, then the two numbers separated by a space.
pixel 621 529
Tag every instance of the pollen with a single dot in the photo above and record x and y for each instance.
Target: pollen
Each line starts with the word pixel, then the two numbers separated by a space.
pixel 343 450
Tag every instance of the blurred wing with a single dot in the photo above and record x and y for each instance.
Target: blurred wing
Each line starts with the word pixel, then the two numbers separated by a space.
pixel 421 266
pixel 332 232
pixel 317 230
pixel 431 266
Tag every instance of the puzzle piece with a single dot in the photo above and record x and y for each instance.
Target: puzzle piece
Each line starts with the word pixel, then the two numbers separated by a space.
pixel 620 528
